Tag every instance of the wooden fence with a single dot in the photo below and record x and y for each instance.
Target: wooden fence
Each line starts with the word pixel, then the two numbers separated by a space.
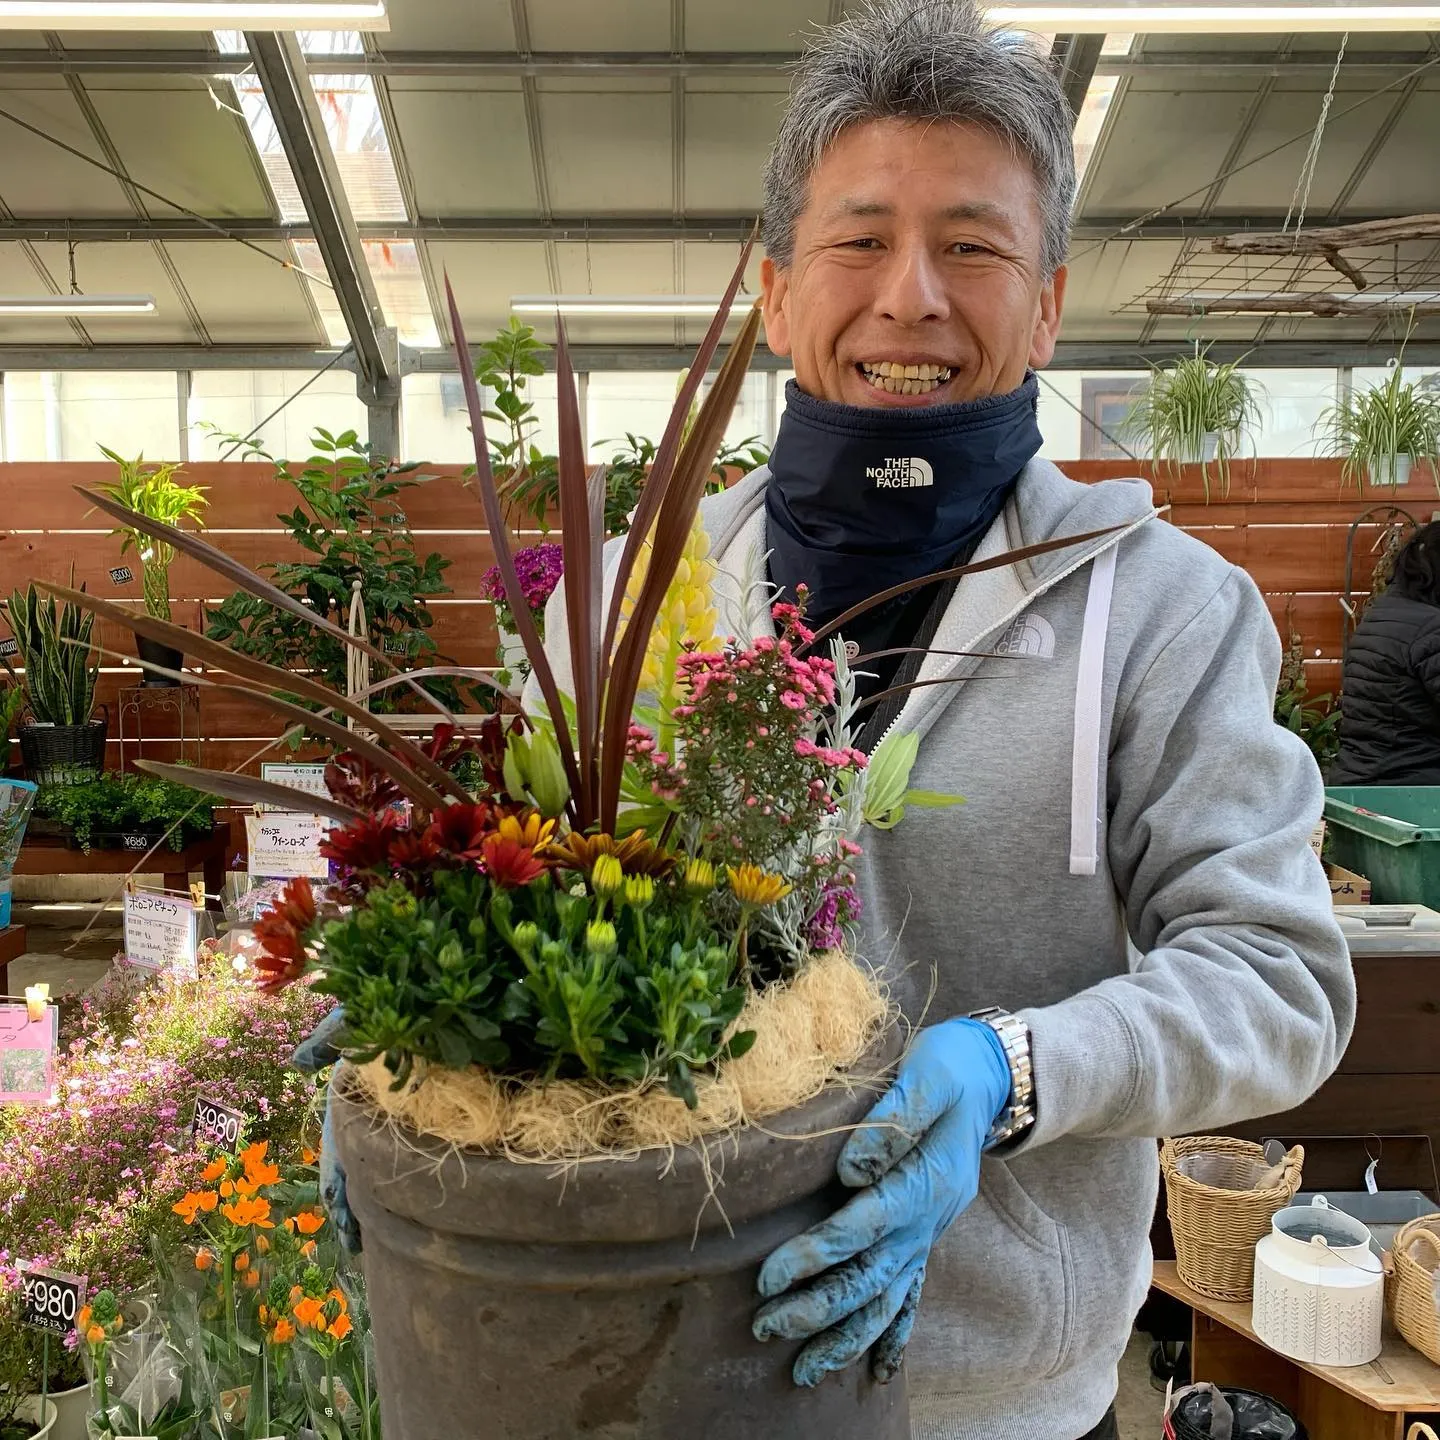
pixel 1285 521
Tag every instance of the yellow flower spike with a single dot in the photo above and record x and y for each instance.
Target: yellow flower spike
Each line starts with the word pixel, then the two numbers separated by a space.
pixel 753 886
pixel 687 616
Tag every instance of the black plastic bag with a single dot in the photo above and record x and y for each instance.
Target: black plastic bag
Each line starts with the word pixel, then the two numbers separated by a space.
pixel 1208 1412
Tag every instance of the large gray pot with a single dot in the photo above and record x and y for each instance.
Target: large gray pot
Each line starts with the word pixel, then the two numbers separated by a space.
pixel 513 1303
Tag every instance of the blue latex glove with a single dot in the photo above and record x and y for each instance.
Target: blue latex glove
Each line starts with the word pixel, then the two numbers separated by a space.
pixel 916 1163
pixel 315 1053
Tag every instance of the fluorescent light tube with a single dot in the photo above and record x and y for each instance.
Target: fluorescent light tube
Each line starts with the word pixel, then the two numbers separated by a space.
pixel 193 15
pixel 77 304
pixel 658 306
pixel 1276 17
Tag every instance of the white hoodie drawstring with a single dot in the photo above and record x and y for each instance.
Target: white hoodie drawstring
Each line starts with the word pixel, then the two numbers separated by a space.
pixel 1089 688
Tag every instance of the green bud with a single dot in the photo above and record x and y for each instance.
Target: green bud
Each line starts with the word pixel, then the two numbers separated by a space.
pixel 699 877
pixel 600 937
pixel 524 936
pixel 451 956
pixel 607 876
pixel 545 772
pixel 639 891
pixel 516 755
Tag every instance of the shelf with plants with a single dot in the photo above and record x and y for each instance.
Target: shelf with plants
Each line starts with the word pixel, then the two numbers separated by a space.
pixel 125 812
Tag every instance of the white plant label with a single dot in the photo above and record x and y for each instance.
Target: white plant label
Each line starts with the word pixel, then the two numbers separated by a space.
pixel 309 778
pixel 52 1299
pixel 283 846
pixel 160 932
pixel 217 1124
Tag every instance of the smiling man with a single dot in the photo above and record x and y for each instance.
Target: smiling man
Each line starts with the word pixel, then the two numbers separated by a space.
pixel 1123 934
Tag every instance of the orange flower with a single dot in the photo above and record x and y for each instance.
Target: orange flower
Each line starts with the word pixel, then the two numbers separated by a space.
pixel 95 1334
pixel 227 1188
pixel 204 1258
pixel 254 1154
pixel 282 934
pixel 252 1279
pixel 338 1296
pixel 214 1170
pixel 242 1261
pixel 189 1206
pixel 509 863
pixel 283 1332
pixel 260 1175
pixel 340 1327
pixel 310 1312
pixel 82 1320
pixel 249 1212
pixel 262 1244
pixel 308 1156
pixel 308 1222
pixel 308 1249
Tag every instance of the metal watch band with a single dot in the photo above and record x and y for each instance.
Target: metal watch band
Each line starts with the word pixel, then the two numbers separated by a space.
pixel 1019 1114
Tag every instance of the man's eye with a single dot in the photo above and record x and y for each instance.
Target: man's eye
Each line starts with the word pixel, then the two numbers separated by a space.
pixel 865 242
pixel 965 247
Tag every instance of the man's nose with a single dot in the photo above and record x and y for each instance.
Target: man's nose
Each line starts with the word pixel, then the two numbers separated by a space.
pixel 911 290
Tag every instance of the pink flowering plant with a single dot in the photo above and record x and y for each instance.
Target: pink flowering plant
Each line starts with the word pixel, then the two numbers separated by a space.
pixel 538 568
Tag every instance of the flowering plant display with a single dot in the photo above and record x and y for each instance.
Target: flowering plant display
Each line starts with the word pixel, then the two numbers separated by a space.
pixel 538 568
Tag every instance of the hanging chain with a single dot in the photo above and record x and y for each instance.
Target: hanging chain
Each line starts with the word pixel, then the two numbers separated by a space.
pixel 1312 156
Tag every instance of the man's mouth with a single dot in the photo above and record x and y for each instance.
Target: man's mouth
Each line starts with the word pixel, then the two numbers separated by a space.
pixel 896 379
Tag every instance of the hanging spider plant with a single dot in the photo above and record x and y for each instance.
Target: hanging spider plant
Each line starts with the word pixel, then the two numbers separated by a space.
pixel 1195 412
pixel 1382 430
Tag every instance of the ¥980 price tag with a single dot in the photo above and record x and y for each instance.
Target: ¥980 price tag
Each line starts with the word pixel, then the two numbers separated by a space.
pixel 217 1124
pixel 52 1300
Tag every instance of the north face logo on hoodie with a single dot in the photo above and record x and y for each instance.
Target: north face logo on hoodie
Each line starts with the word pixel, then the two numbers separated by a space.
pixel 1031 637
pixel 908 474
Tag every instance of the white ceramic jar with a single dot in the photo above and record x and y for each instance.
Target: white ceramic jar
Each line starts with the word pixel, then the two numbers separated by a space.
pixel 1319 1287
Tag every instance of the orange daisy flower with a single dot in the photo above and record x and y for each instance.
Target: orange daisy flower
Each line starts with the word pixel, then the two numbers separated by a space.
pixel 307 1222
pixel 190 1206
pixel 214 1170
pixel 309 1312
pixel 340 1327
pixel 249 1212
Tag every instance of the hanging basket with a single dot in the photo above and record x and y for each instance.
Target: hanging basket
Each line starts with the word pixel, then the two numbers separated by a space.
pixel 1216 1215
pixel 64 754
pixel 1415 1256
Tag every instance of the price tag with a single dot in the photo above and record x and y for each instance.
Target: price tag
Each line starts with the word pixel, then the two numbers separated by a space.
pixel 52 1299
pixel 283 846
pixel 217 1124
pixel 136 844
pixel 160 932
pixel 309 778
pixel 9 648
pixel 27 1054
pixel 122 575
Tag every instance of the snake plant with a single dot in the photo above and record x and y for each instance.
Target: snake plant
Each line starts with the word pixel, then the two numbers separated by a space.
pixel 152 490
pixel 54 647
pixel 1189 405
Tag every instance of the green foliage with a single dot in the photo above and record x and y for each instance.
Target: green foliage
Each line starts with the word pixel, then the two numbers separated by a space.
pixel 12 702
pixel 1187 402
pixel 630 463
pixel 887 789
pixel 54 647
pixel 350 523
pixel 1370 427
pixel 114 803
pixel 745 455
pixel 1315 719
pixel 525 475
pixel 153 491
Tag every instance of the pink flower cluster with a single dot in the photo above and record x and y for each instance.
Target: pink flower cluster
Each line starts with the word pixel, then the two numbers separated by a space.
pixel 803 685
pixel 537 567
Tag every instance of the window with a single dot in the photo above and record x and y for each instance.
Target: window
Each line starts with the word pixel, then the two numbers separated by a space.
pixel 236 401
pixel 67 415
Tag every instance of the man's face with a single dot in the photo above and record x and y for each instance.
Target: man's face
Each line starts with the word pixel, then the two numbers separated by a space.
pixel 919 248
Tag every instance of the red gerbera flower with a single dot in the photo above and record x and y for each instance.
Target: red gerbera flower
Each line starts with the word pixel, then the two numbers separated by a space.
pixel 412 850
pixel 282 934
pixel 365 845
pixel 460 830
pixel 511 863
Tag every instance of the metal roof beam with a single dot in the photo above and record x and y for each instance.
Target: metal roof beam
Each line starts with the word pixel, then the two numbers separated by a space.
pixel 283 75
pixel 727 228
pixel 1119 354
pixel 509 64
pixel 1075 58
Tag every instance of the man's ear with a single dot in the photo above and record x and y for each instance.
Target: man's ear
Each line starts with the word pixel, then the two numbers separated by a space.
pixel 775 291
pixel 1047 322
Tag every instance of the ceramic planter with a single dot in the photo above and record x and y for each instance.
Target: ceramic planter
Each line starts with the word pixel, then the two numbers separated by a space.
pixel 30 1411
pixel 71 1409
pixel 1319 1287
pixel 1203 453
pixel 1391 470
pixel 611 1300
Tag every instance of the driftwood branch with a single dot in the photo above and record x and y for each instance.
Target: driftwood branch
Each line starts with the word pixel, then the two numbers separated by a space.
pixel 1323 240
pixel 1336 261
pixel 1328 305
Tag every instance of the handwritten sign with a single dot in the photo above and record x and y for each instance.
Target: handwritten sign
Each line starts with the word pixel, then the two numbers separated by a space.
pixel 52 1299
pixel 122 575
pixel 283 846
pixel 217 1124
pixel 307 778
pixel 27 1054
pixel 160 932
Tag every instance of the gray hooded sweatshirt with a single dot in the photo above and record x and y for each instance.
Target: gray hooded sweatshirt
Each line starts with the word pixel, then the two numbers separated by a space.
pixel 1131 873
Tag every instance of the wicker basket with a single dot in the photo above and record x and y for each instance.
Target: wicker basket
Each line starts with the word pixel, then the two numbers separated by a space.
pixel 64 754
pixel 1217 1225
pixel 1412 1286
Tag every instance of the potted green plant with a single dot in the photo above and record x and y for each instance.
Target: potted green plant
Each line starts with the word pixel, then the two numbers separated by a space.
pixel 153 490
pixel 1382 430
pixel 1195 412
pixel 60 740
pixel 128 812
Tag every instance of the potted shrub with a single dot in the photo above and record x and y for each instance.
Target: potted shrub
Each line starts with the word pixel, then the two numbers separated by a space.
pixel 561 1019
pixel 128 812
pixel 60 741
pixel 1382 430
pixel 1195 412
pixel 153 490
pixel 22 1416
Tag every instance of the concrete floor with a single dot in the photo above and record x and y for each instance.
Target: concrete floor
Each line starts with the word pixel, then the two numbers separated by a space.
pixel 72 958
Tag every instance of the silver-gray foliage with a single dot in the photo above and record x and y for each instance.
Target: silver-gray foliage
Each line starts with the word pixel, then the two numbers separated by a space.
pixel 922 60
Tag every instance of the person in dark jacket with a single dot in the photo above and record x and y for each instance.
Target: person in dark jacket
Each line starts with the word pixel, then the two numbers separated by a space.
pixel 1390 725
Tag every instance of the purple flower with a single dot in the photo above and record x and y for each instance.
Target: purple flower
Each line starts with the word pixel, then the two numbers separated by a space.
pixel 538 569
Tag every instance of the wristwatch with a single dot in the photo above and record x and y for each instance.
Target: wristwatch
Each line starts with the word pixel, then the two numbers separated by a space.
pixel 1019 1113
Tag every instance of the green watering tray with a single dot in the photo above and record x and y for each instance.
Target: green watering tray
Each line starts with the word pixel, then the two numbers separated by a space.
pixel 1391 835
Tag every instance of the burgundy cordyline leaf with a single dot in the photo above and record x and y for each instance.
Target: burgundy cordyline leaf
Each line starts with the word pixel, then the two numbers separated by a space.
pixel 246 790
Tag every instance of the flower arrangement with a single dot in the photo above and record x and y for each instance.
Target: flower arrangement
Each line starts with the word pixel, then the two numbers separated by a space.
pixel 538 568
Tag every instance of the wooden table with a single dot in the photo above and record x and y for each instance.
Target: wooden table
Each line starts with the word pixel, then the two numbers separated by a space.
pixel 54 857
pixel 12 947
pixel 1361 1402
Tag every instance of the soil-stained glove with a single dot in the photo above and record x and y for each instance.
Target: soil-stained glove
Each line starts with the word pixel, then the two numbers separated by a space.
pixel 315 1053
pixel 916 1163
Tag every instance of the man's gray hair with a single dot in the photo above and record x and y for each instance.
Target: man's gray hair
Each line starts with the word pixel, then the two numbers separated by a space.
pixel 922 60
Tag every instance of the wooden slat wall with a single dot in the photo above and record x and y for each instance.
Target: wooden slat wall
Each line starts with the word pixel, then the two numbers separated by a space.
pixel 1285 521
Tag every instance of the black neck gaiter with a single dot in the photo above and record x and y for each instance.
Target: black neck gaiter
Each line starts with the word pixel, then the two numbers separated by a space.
pixel 859 499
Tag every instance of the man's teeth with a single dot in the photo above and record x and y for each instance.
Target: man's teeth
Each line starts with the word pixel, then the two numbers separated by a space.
pixel 906 379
